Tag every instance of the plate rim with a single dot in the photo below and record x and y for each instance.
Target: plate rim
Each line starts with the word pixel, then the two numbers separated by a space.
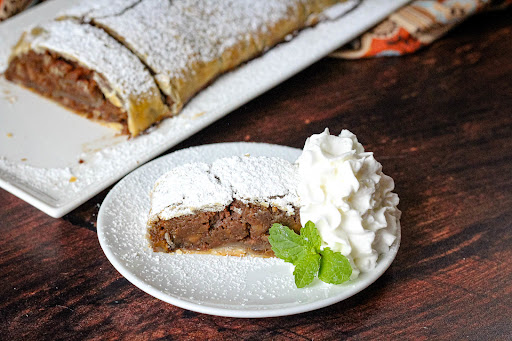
pixel 360 284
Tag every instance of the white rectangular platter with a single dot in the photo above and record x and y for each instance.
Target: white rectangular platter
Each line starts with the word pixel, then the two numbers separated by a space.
pixel 56 160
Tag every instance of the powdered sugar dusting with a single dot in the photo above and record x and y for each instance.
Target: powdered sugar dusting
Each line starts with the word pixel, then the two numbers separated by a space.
pixel 187 189
pixel 48 182
pixel 201 187
pixel 97 9
pixel 173 35
pixel 261 180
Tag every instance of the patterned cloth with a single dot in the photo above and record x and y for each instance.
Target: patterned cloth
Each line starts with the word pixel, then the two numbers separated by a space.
pixel 414 26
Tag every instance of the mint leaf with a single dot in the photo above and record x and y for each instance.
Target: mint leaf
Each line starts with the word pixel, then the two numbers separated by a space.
pixel 286 244
pixel 303 251
pixel 334 267
pixel 306 269
pixel 311 235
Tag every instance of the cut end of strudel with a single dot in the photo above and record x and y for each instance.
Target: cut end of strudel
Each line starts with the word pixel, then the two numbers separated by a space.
pixel 224 208
pixel 83 68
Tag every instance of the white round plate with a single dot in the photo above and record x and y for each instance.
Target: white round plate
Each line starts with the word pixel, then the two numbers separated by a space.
pixel 216 285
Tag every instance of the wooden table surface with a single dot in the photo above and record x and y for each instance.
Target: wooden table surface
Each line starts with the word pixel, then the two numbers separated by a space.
pixel 440 122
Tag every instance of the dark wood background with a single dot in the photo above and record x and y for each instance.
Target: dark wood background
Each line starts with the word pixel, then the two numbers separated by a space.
pixel 440 121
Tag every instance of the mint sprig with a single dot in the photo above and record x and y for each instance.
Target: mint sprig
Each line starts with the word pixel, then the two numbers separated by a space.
pixel 304 252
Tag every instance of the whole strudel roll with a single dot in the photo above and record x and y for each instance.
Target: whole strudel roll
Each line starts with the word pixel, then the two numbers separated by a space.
pixel 85 69
pixel 188 43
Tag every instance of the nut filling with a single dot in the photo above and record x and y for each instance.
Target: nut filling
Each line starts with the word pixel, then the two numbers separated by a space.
pixel 241 226
pixel 66 82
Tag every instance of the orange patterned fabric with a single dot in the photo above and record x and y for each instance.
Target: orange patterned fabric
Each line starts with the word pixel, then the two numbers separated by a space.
pixel 414 26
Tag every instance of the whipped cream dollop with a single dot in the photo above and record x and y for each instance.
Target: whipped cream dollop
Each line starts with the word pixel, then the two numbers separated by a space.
pixel 344 192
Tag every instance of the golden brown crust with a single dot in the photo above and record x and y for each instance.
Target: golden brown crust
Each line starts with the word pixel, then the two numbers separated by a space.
pixel 226 251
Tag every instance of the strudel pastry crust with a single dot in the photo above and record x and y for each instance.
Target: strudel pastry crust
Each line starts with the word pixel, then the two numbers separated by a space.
pixel 85 69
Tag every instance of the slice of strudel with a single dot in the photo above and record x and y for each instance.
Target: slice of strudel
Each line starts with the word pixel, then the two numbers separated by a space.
pixel 223 208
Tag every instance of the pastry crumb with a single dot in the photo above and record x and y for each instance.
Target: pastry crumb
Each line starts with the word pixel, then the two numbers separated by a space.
pixel 72 179
pixel 81 161
pixel 24 159
pixel 10 98
pixel 10 135
pixel 198 114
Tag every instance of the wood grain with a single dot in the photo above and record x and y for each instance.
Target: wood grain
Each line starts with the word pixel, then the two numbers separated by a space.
pixel 439 121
